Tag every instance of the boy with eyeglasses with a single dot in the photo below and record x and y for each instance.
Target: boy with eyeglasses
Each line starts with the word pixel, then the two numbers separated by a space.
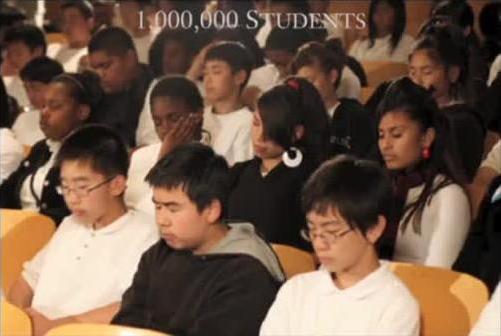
pixel 82 272
pixel 347 203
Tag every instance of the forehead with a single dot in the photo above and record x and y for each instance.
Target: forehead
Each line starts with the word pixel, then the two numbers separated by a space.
pixel 57 90
pixel 73 12
pixel 216 63
pixel 310 70
pixel 78 169
pixel 163 106
pixel 396 118
pixel 422 57
pixel 98 57
pixel 331 218
pixel 172 195
pixel 18 46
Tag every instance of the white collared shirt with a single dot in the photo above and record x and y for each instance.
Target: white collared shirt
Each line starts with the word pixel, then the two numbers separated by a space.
pixel 311 304
pixel 68 57
pixel 493 159
pixel 381 50
pixel 28 201
pixel 230 134
pixel 82 269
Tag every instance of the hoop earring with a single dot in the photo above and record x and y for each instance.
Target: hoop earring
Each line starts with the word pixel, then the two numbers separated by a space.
pixel 292 157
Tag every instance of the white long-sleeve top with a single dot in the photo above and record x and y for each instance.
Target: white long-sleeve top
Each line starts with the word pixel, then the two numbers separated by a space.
pixel 444 226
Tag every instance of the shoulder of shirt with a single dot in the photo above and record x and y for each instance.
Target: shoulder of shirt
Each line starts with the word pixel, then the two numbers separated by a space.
pixel 146 151
pixel 402 292
pixel 309 281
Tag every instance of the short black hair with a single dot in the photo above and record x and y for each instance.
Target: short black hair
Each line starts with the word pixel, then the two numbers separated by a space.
pixel 28 34
pixel 459 12
pixel 235 54
pixel 179 88
pixel 359 189
pixel 315 53
pixel 288 40
pixel 41 69
pixel 83 6
pixel 198 170
pixel 98 145
pixel 112 40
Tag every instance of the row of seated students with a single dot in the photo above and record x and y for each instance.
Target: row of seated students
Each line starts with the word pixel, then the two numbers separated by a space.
pixel 271 153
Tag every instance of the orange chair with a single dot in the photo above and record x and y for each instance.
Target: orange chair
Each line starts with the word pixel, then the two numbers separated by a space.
pixel 23 234
pixel 380 71
pixel 294 261
pixel 56 38
pixel 15 322
pixel 450 302
pixel 100 330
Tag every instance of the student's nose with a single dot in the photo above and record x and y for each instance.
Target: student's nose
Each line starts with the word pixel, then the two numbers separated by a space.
pixel 163 219
pixel 385 144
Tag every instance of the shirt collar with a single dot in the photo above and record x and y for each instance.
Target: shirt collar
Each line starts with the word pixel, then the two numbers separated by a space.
pixel 117 225
pixel 365 287
pixel 53 145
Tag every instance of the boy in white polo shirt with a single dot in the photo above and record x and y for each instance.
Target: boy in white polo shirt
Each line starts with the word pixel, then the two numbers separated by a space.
pixel 226 72
pixel 346 202
pixel 82 272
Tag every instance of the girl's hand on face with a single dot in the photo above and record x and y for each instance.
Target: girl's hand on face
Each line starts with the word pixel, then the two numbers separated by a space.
pixel 183 131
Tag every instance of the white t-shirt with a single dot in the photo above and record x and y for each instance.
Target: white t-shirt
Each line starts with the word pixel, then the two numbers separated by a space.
pixel 445 224
pixel 493 159
pixel 380 51
pixel 27 127
pixel 142 45
pixel 15 88
pixel 489 323
pixel 495 69
pixel 311 304
pixel 230 134
pixel 82 269
pixel 349 85
pixel 11 153
pixel 138 193
pixel 28 201
pixel 68 57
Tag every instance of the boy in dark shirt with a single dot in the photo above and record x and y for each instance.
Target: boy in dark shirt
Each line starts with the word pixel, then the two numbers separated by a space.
pixel 203 277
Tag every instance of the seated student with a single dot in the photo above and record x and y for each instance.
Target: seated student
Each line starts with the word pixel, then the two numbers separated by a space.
pixel 171 53
pixel 22 43
pixel 70 101
pixel 82 272
pixel 227 120
pixel 489 321
pixel 290 139
pixel 203 277
pixel 387 40
pixel 438 63
pixel 36 76
pixel 139 31
pixel 281 46
pixel 177 112
pixel 347 204
pixel 124 80
pixel 352 129
pixel 12 152
pixel 433 212
pixel 77 26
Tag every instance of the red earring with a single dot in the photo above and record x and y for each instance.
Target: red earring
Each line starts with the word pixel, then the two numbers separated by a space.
pixel 426 153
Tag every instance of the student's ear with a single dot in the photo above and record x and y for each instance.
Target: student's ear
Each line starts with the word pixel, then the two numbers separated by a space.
pixel 453 73
pixel 118 185
pixel 213 211
pixel 240 77
pixel 375 232
pixel 333 76
pixel 428 138
pixel 299 132
pixel 38 52
pixel 83 112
